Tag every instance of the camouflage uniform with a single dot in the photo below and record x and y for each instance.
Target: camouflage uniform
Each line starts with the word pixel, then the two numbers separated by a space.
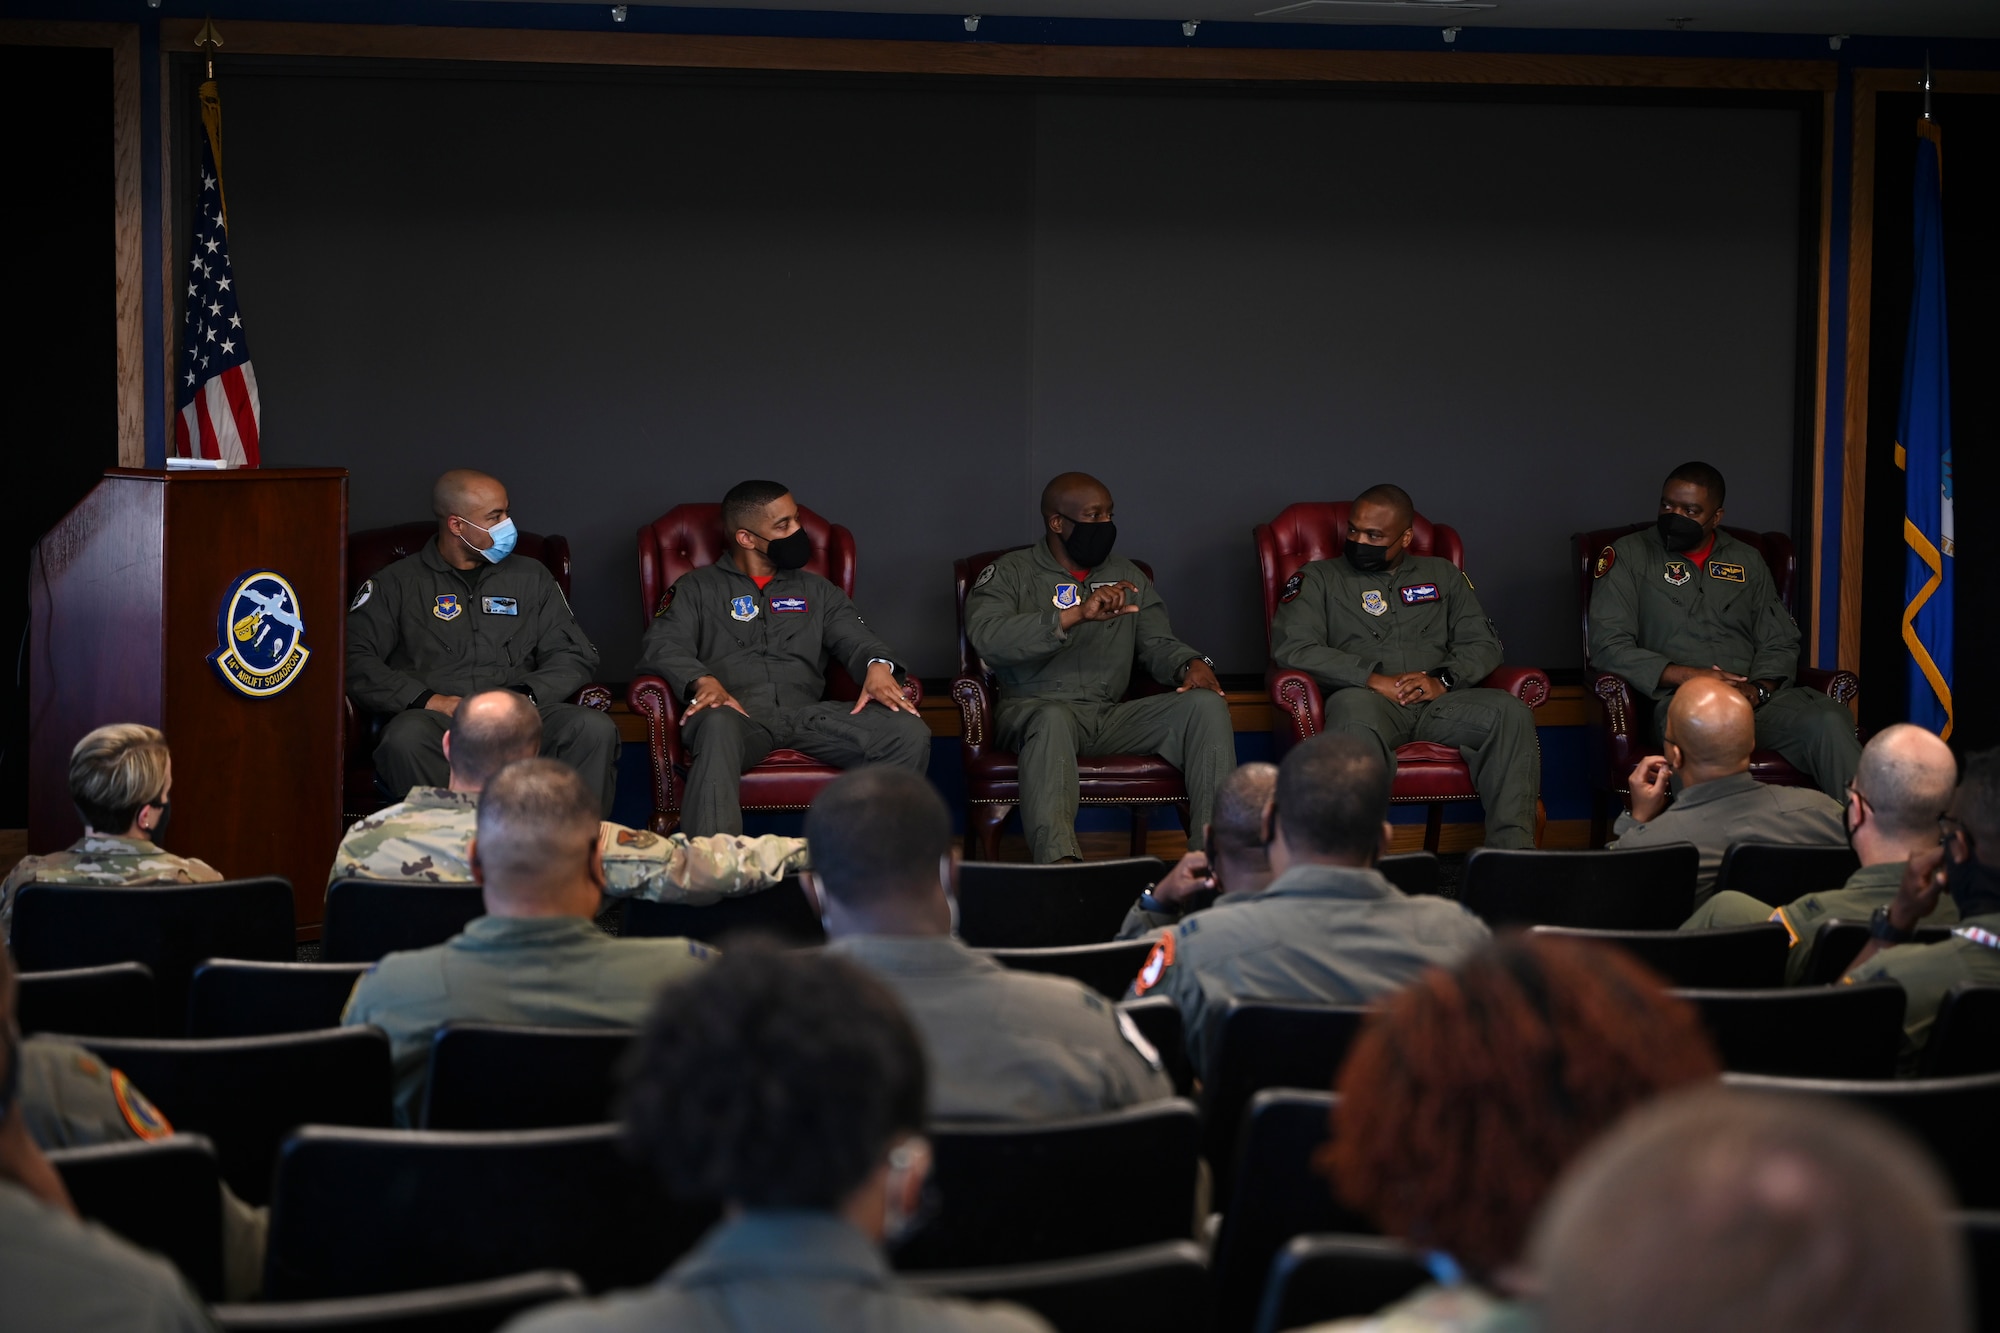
pixel 427 838
pixel 102 858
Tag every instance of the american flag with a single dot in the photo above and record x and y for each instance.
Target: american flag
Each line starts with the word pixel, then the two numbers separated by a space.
pixel 215 388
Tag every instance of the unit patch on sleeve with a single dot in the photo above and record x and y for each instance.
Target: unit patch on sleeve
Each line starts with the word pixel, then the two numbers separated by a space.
pixel 1419 592
pixel 1292 586
pixel 985 577
pixel 1606 558
pixel 1156 965
pixel 784 605
pixel 1717 570
pixel 362 594
pixel 143 1117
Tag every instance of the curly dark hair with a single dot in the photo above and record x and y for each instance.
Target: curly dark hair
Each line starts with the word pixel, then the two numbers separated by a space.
pixel 773 1079
pixel 1466 1094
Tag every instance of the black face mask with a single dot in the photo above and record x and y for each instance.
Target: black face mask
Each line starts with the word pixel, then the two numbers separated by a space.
pixel 1678 532
pixel 1974 887
pixel 790 552
pixel 1090 543
pixel 166 809
pixel 1365 558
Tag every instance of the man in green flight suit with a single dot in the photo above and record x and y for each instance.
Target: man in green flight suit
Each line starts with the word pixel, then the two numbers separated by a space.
pixel 744 644
pixel 1061 623
pixel 461 616
pixel 1399 643
pixel 1684 599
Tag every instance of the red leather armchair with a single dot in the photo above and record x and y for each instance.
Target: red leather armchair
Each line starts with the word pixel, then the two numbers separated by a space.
pixel 687 537
pixel 993 775
pixel 1622 717
pixel 369 552
pixel 1426 774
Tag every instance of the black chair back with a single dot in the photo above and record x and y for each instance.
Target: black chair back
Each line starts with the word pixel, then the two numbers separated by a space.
pixel 1159 1022
pixel 1776 873
pixel 1650 889
pixel 168 927
pixel 1982 1251
pixel 1943 1114
pixel 783 912
pixel 1276 1195
pixel 1107 969
pixel 1009 905
pixel 162 1195
pixel 247 1093
pixel 113 1000
pixel 1806 1031
pixel 237 999
pixel 360 1211
pixel 1263 1046
pixel 1837 943
pixel 1162 1288
pixel 1414 872
pixel 1727 958
pixel 473 1307
pixel 367 918
pixel 1320 1279
pixel 1966 1037
pixel 497 1076
pixel 1060 1189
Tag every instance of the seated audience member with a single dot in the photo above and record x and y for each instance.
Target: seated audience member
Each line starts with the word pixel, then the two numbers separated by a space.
pixel 1467 1093
pixel 534 957
pixel 790 1086
pixel 1732 1213
pixel 1235 861
pixel 120 778
pixel 1711 730
pixel 1901 787
pixel 57 1273
pixel 1001 1044
pixel 427 836
pixel 1328 929
pixel 1959 870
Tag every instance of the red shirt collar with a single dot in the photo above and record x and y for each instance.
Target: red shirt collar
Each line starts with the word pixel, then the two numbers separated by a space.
pixel 1700 557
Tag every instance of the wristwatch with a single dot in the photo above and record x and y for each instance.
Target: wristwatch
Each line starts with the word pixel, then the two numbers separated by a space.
pixel 1763 692
pixel 1880 927
pixel 1181 675
pixel 1442 675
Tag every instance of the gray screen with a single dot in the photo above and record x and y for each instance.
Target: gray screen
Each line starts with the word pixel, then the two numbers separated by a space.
pixel 915 302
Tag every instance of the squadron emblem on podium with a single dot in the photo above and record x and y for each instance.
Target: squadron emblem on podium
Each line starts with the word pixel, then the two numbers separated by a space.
pixel 262 635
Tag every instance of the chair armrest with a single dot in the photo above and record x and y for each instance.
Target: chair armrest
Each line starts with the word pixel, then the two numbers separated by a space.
pixel 1298 700
pixel 975 714
pixel 650 698
pixel 1528 684
pixel 593 695
pixel 1624 736
pixel 913 690
pixel 1840 686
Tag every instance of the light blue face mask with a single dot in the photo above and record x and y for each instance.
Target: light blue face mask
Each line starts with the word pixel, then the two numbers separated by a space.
pixel 504 536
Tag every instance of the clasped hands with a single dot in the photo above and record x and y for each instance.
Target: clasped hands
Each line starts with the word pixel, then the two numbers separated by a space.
pixel 1411 687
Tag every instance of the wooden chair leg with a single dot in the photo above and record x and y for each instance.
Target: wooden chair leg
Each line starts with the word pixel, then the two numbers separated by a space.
pixel 982 829
pixel 1433 826
pixel 1541 820
pixel 1142 818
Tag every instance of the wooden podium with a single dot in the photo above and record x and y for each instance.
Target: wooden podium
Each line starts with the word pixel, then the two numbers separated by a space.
pixel 128 625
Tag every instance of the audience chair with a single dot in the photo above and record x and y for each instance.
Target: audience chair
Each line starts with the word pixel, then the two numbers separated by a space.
pixel 474 1307
pixel 1651 889
pixel 367 918
pixel 1966 1037
pixel 1261 1046
pixel 1276 1195
pixel 783 911
pixel 1060 1189
pixel 164 1195
pixel 235 999
pixel 1842 1032
pixel 1949 1116
pixel 1320 1279
pixel 1161 1288
pixel 371 551
pixel 1159 1022
pixel 1107 969
pixel 1727 958
pixel 110 1000
pixel 1982 1248
pixel 1837 943
pixel 1414 872
pixel 687 537
pixel 496 1076
pixel 1777 873
pixel 1426 774
pixel 1138 782
pixel 356 1212
pixel 1013 905
pixel 168 927
pixel 247 1093
pixel 1622 714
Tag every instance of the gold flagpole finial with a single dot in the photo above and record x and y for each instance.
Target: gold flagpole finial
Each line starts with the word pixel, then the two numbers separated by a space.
pixel 209 40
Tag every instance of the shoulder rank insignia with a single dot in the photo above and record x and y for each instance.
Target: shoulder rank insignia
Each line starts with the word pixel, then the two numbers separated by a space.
pixel 362 594
pixel 1606 558
pixel 1718 570
pixel 1373 603
pixel 1156 964
pixel 1677 572
pixel 743 608
pixel 1292 586
pixel 1420 592
pixel 446 607
pixel 261 635
pixel 1067 595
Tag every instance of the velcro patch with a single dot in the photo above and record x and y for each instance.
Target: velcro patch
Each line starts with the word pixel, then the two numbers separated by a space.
pixel 1156 965
pixel 1420 592
pixel 1606 558
pixel 985 577
pixel 1717 570
pixel 794 605
pixel 636 837
pixel 144 1117
pixel 1292 586
pixel 362 594
pixel 500 606
pixel 666 600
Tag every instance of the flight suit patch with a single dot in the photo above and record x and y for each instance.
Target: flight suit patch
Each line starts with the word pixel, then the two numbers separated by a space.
pixel 500 606
pixel 985 577
pixel 1606 558
pixel 1292 586
pixel 1156 965
pixel 1419 592
pixel 743 608
pixel 636 837
pixel 1734 573
pixel 144 1118
pixel 1373 603
pixel 787 605
pixel 666 600
pixel 1067 595
pixel 362 594
pixel 446 607
pixel 1677 572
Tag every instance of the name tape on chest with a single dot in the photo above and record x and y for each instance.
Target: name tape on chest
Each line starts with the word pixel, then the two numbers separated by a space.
pixel 500 606
pixel 1718 570
pixel 447 606
pixel 788 605
pixel 1418 593
pixel 743 608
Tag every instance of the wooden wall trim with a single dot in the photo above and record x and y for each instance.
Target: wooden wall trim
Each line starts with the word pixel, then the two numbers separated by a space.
pixel 63 32
pixel 129 231
pixel 1821 346
pixel 998 59
pixel 168 260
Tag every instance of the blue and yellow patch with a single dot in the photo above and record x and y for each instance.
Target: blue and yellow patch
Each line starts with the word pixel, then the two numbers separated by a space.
pixel 1067 595
pixel 1718 570
pixel 144 1117
pixel 1420 592
pixel 447 606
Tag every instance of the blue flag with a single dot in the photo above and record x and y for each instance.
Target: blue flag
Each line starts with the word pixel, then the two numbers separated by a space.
pixel 1923 451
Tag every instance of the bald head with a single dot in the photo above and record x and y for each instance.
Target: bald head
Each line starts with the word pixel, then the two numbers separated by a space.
pixel 1236 829
pixel 1905 778
pixel 1072 493
pixel 467 494
pixel 536 848
pixel 489 731
pixel 1714 728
